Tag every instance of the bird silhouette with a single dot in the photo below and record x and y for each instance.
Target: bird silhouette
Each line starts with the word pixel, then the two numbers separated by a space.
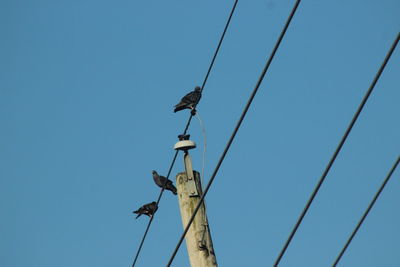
pixel 190 100
pixel 147 209
pixel 162 181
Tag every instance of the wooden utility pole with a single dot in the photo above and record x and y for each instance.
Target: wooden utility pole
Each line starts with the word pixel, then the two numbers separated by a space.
pixel 198 238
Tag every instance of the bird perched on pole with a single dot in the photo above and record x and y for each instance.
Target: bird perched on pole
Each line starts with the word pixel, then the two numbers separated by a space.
pixel 189 101
pixel 162 181
pixel 147 209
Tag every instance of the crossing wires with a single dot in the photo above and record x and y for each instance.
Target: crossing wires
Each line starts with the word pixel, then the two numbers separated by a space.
pixel 339 147
pixel 186 128
pixel 260 79
pixel 366 212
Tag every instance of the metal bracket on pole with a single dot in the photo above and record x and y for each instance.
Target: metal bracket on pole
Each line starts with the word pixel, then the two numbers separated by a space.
pixel 191 184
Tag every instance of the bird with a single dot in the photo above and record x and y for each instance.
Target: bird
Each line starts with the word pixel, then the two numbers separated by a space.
pixel 147 209
pixel 162 181
pixel 190 100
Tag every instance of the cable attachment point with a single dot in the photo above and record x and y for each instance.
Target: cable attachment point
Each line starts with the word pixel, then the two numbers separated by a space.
pixel 202 244
pixel 183 137
pixel 184 143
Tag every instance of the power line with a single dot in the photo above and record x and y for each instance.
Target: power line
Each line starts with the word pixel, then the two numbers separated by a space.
pixel 366 212
pixel 219 45
pixel 342 141
pixel 186 128
pixel 235 130
pixel 212 61
pixel 152 217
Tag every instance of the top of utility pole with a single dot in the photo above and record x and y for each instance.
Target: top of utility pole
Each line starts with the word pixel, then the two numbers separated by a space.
pixel 198 238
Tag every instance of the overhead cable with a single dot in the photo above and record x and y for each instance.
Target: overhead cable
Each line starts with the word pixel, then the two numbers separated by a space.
pixel 367 211
pixel 235 131
pixel 186 128
pixel 339 147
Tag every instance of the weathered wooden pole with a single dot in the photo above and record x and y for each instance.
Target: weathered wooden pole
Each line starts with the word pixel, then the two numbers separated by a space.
pixel 198 238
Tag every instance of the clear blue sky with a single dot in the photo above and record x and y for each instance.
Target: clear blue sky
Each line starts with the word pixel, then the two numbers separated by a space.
pixel 86 96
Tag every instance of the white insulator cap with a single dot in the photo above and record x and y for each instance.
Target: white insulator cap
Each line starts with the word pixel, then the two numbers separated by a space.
pixel 185 145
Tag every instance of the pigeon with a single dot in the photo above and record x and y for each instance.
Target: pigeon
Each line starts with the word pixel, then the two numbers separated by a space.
pixel 161 181
pixel 190 100
pixel 147 209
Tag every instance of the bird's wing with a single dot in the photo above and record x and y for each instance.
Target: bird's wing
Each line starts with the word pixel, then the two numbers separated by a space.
pixel 190 97
pixel 164 180
pixel 158 180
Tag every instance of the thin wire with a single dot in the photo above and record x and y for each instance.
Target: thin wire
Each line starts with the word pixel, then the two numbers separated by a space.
pixel 342 141
pixel 186 128
pixel 203 130
pixel 235 131
pixel 152 217
pixel 219 44
pixel 213 60
pixel 366 212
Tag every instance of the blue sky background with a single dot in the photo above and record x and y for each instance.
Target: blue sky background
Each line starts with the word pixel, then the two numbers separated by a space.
pixel 86 96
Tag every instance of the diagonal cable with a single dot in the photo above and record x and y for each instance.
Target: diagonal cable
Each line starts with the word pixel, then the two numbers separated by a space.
pixel 235 130
pixel 186 128
pixel 212 61
pixel 366 212
pixel 152 217
pixel 332 160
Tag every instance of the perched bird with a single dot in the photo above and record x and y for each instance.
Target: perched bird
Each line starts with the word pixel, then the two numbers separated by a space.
pixel 147 209
pixel 161 181
pixel 189 100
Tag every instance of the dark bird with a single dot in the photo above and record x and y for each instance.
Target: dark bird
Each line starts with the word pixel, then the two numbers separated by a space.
pixel 161 181
pixel 147 209
pixel 190 100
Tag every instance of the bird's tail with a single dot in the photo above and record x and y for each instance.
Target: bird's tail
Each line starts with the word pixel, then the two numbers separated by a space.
pixel 138 214
pixel 173 189
pixel 179 107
